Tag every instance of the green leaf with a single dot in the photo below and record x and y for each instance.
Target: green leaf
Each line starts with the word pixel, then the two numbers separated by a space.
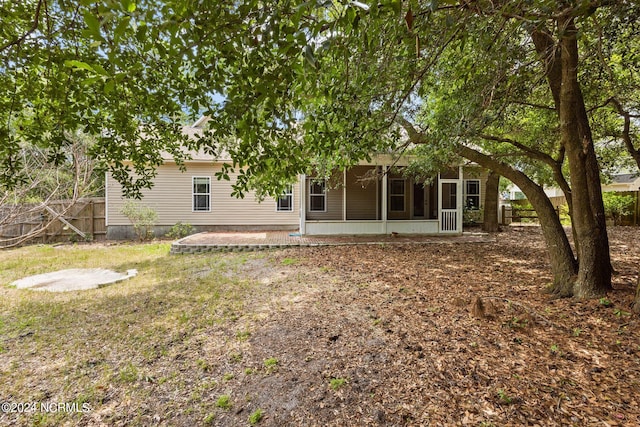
pixel 128 5
pixel 78 65
pixel 100 70
pixel 93 23
pixel 109 86
pixel 396 6
pixel 121 28
pixel 89 81
pixel 310 57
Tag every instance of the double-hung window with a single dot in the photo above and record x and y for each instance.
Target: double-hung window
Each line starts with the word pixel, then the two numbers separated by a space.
pixel 472 194
pixel 317 195
pixel 285 201
pixel 201 194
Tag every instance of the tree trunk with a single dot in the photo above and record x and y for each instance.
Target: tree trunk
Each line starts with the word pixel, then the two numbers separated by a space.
pixel 490 220
pixel 594 270
pixel 563 262
pixel 636 301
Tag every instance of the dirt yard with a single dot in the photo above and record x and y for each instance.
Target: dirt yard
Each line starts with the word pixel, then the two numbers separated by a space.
pixel 396 323
pixel 386 335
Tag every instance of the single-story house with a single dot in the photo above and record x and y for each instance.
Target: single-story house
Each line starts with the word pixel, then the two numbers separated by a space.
pixel 345 203
pixel 624 183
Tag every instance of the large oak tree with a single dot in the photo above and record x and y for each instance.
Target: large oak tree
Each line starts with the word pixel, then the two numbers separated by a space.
pixel 289 85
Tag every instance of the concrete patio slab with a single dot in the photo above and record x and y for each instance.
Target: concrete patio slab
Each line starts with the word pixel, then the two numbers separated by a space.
pixel 76 279
pixel 221 241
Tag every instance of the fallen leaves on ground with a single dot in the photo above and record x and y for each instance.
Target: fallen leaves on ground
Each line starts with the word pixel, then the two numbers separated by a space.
pixel 397 322
pixel 434 334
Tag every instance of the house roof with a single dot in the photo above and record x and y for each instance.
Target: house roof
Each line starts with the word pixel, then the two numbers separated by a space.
pixel 199 126
pixel 194 131
pixel 626 178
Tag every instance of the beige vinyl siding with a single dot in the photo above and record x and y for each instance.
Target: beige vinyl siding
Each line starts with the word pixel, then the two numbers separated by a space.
pixel 333 204
pixel 361 197
pixel 172 198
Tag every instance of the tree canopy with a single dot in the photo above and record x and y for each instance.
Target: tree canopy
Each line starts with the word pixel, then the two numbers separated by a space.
pixel 335 75
pixel 526 88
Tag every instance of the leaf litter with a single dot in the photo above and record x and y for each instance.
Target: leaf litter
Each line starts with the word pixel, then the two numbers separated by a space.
pixel 401 324
pixel 440 334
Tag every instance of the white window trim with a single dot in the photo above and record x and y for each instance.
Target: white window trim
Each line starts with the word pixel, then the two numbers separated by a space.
pixel 479 195
pixel 403 195
pixel 285 194
pixel 193 194
pixel 324 194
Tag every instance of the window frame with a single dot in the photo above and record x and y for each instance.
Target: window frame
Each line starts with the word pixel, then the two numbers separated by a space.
pixel 312 182
pixel 393 195
pixel 194 194
pixel 468 195
pixel 287 193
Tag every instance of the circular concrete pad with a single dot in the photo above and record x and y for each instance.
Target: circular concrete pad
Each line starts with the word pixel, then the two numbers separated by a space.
pixel 76 279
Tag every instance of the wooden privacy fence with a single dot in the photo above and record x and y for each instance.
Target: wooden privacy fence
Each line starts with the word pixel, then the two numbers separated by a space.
pixel 516 214
pixel 57 221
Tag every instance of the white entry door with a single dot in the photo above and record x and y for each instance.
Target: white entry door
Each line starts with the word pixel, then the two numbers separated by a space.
pixel 450 214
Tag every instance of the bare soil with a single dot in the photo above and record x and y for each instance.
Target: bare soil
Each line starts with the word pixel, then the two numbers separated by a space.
pixel 429 334
pixel 400 324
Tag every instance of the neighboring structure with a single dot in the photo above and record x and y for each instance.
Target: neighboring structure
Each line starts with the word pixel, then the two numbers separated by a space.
pixel 626 184
pixel 360 200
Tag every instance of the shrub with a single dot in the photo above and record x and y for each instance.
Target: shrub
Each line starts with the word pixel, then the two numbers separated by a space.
pixel 142 217
pixel 472 216
pixel 616 206
pixel 180 230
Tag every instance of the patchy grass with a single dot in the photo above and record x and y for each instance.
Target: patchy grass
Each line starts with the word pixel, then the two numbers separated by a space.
pixel 337 383
pixel 124 342
pixel 391 327
pixel 224 402
pixel 255 417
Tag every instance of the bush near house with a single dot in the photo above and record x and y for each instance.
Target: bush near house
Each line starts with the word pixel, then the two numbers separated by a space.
pixel 180 230
pixel 142 217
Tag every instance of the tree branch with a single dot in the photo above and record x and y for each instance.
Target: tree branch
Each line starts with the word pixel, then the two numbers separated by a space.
pixel 529 104
pixel 550 56
pixel 555 165
pixel 626 131
pixel 34 26
pixel 534 154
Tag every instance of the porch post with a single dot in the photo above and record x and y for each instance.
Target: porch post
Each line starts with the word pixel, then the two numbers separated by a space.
pixel 385 181
pixel 344 195
pixel 377 196
pixel 439 201
pixel 303 204
pixel 459 199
